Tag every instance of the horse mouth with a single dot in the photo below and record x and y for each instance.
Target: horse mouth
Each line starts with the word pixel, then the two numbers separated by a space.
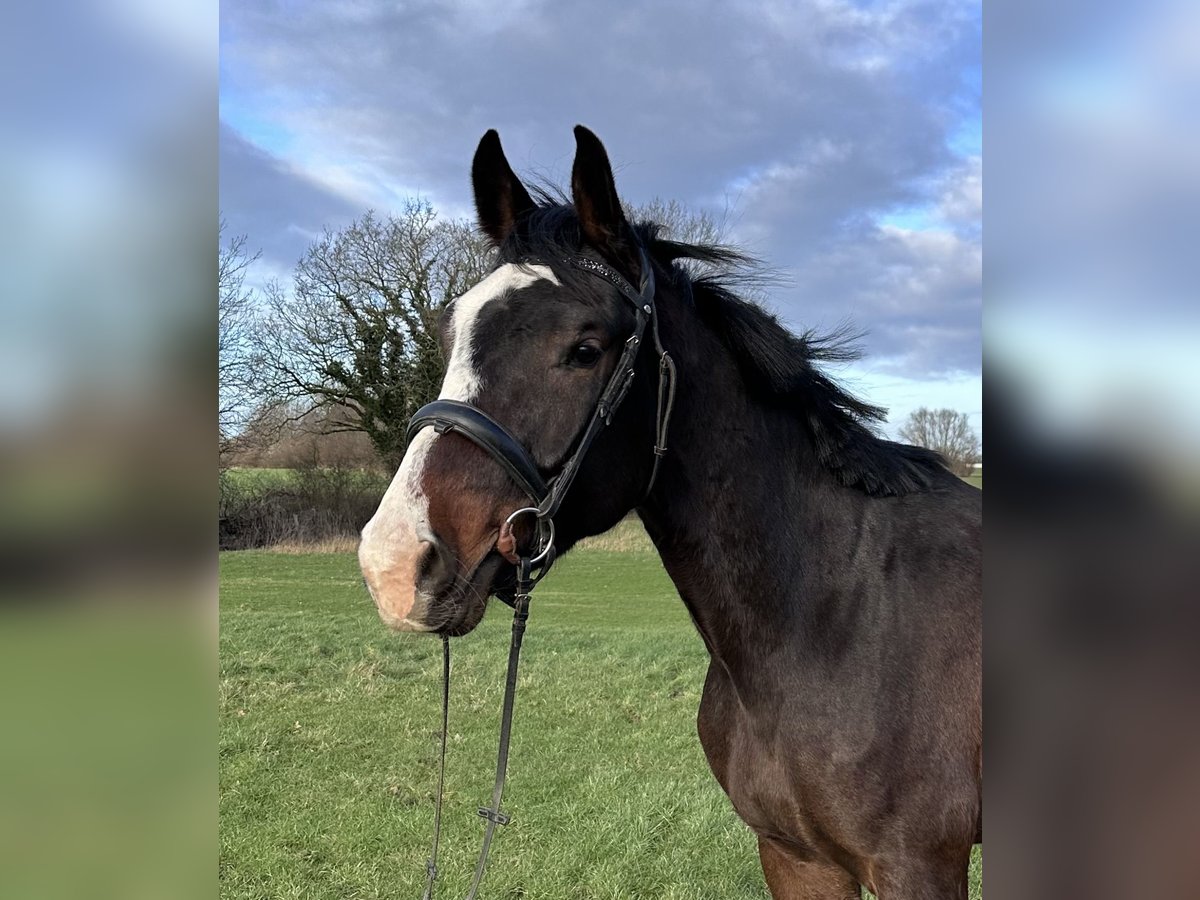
pixel 460 608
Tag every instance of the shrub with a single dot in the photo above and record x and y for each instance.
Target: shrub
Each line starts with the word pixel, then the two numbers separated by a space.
pixel 303 507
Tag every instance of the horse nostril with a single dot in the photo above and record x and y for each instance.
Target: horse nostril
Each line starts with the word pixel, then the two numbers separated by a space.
pixel 436 566
pixel 426 560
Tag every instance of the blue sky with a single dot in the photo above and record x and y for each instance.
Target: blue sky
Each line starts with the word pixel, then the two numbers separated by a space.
pixel 840 141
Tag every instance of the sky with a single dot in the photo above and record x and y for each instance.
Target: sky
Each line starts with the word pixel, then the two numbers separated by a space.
pixel 840 142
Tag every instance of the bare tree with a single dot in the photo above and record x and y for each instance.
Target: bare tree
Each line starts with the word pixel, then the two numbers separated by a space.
pixel 946 431
pixel 296 435
pixel 236 370
pixel 678 222
pixel 357 330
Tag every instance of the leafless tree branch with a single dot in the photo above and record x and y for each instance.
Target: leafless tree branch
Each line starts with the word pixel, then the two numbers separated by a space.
pixel 946 431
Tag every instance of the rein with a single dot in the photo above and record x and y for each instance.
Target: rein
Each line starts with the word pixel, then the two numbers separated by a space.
pixel 492 813
pixel 462 418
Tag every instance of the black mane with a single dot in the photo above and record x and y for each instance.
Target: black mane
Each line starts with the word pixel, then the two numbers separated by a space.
pixel 779 367
pixel 782 368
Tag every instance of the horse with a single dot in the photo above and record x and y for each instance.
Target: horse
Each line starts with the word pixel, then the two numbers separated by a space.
pixel 833 576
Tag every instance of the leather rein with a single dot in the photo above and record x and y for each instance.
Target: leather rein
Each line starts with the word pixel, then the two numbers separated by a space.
pixel 446 416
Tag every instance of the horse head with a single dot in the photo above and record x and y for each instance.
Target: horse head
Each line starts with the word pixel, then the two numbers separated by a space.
pixel 534 346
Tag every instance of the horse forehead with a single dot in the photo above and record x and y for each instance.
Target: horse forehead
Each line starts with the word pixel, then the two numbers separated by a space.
pixel 505 280
pixel 462 380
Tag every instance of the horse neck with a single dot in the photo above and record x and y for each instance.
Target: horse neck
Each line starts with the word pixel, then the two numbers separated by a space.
pixel 749 525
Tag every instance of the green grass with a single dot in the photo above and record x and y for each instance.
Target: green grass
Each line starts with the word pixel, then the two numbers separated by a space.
pixel 328 741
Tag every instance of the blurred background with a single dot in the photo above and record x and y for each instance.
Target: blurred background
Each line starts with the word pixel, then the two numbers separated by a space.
pixel 1091 336
pixel 107 331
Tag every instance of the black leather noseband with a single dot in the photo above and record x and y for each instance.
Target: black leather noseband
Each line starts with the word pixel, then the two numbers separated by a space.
pixel 480 428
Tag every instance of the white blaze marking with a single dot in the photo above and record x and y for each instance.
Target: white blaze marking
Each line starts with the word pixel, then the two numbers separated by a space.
pixel 462 381
pixel 402 520
pixel 391 540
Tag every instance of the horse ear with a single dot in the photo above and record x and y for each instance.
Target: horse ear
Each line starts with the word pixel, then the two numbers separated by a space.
pixel 594 193
pixel 500 198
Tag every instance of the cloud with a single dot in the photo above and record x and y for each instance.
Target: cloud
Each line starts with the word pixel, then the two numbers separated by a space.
pixel 961 201
pixel 276 207
pixel 810 119
pixel 731 88
pixel 917 290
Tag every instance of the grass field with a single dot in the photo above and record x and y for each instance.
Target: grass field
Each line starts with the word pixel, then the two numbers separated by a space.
pixel 329 724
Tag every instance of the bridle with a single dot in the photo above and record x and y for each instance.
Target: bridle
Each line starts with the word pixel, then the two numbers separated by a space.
pixel 477 426
pixel 446 416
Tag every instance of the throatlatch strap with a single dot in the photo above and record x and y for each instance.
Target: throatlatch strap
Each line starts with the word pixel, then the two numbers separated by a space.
pixel 662 423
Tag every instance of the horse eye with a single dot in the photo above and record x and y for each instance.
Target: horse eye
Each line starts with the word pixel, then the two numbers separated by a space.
pixel 585 356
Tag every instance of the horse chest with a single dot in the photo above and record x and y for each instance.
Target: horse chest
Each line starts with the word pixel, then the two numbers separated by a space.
pixel 772 776
pixel 750 770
